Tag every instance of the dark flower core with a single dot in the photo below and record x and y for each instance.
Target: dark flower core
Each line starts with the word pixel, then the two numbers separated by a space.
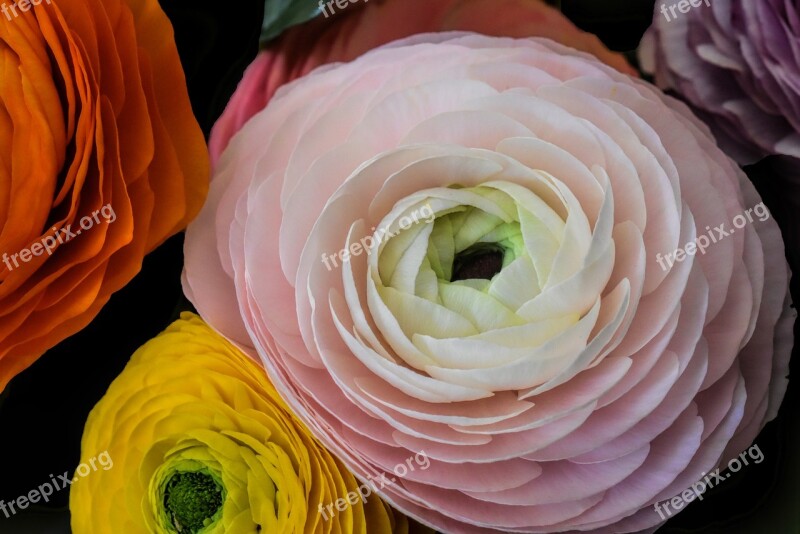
pixel 481 261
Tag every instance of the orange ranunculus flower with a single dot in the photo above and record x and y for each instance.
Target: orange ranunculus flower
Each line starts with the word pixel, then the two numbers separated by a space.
pixel 101 160
pixel 343 34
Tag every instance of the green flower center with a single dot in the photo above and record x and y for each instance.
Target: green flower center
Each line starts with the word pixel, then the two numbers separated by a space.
pixel 191 501
pixel 473 246
pixel 475 258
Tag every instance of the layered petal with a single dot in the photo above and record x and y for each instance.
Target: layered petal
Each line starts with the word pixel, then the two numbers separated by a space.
pixel 361 26
pixel 738 65
pixel 102 161
pixel 197 439
pixel 508 255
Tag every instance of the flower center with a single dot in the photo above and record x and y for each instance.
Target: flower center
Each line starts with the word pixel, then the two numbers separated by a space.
pixel 480 261
pixel 192 500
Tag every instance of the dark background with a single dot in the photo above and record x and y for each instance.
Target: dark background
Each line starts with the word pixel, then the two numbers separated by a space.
pixel 43 410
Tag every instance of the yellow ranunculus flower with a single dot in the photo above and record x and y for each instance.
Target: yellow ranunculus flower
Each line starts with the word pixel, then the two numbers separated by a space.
pixel 202 443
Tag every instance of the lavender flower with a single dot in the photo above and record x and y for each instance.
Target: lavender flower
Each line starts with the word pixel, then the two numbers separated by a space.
pixel 737 63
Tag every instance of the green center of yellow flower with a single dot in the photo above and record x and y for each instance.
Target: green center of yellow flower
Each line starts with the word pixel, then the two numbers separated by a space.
pixel 192 500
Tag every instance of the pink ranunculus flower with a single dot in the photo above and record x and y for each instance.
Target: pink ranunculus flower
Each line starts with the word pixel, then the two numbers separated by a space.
pixel 454 244
pixel 350 32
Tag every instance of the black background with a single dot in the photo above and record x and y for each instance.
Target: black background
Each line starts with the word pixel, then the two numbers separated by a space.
pixel 43 410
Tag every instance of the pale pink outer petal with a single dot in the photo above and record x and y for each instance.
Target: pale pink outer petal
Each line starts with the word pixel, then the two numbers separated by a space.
pixel 360 28
pixel 678 372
